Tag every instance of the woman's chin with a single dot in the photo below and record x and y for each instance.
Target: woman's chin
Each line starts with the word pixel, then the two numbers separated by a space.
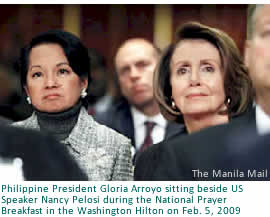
pixel 197 111
pixel 52 109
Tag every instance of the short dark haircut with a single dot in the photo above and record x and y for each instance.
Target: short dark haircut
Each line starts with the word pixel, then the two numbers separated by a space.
pixel 237 84
pixel 75 51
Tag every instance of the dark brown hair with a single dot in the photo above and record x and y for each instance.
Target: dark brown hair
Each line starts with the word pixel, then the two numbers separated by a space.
pixel 75 51
pixel 237 85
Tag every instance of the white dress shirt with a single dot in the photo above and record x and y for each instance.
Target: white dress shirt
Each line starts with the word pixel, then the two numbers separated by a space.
pixel 262 121
pixel 158 132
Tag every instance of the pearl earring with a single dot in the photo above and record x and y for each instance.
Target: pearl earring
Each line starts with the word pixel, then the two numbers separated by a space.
pixel 228 101
pixel 28 99
pixel 173 105
pixel 83 93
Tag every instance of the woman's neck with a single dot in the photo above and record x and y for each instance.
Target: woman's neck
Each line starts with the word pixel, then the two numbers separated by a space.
pixel 59 124
pixel 195 123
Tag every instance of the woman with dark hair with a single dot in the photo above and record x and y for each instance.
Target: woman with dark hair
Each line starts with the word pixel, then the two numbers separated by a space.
pixel 200 81
pixel 55 76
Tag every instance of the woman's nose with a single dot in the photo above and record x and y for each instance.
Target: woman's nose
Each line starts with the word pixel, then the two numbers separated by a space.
pixel 51 81
pixel 195 78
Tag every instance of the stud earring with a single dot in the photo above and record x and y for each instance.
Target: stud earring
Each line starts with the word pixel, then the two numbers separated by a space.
pixel 28 99
pixel 228 100
pixel 173 105
pixel 83 93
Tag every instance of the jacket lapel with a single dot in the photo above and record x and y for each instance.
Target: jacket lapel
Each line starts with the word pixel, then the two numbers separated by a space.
pixel 81 137
pixel 124 121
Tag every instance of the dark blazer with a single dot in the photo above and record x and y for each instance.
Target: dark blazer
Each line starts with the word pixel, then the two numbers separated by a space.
pixel 149 160
pixel 120 119
pixel 225 147
pixel 43 158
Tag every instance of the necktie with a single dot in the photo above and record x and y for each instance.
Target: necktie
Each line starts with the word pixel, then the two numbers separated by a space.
pixel 91 110
pixel 148 140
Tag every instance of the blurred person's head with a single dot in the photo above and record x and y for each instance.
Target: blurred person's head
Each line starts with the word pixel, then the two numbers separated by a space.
pixel 7 84
pixel 257 55
pixel 99 73
pixel 30 155
pixel 135 62
pixel 202 74
pixel 54 71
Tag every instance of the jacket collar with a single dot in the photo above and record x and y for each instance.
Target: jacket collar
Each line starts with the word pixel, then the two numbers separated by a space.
pixel 79 138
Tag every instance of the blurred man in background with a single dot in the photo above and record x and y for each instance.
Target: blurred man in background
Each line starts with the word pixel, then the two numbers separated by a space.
pixel 138 116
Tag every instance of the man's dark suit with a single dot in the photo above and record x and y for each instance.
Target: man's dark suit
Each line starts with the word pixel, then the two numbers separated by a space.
pixel 226 147
pixel 120 119
pixel 43 158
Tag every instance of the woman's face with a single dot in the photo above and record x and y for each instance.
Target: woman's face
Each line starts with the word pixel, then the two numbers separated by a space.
pixel 51 83
pixel 197 78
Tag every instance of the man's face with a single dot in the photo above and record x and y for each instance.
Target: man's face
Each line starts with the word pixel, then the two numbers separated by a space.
pixel 257 56
pixel 135 63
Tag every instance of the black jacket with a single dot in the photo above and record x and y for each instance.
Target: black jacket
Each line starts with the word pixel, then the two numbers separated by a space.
pixel 235 147
pixel 119 118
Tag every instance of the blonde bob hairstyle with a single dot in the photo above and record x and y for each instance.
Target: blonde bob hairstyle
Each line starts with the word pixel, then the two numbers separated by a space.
pixel 237 84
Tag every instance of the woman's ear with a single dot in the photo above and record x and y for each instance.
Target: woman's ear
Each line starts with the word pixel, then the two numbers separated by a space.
pixel 84 83
pixel 26 90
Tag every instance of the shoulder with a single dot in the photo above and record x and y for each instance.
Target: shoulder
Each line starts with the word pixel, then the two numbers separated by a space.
pixel 5 121
pixel 174 129
pixel 198 140
pixel 150 155
pixel 101 133
pixel 95 135
pixel 106 135
pixel 201 145
pixel 116 113
pixel 247 118
pixel 18 123
pixel 29 123
pixel 147 162
pixel 217 134
pixel 153 153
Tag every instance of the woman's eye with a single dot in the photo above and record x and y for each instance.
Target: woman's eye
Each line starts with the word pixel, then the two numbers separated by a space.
pixel 63 71
pixel 182 71
pixel 208 69
pixel 36 75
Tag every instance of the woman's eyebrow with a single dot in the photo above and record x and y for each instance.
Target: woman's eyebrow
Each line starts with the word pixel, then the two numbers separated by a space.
pixel 35 66
pixel 62 63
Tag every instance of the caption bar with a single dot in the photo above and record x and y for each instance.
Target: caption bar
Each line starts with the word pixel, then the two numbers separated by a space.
pixel 133 198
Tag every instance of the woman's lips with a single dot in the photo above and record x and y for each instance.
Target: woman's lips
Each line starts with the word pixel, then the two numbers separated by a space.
pixel 196 95
pixel 52 96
